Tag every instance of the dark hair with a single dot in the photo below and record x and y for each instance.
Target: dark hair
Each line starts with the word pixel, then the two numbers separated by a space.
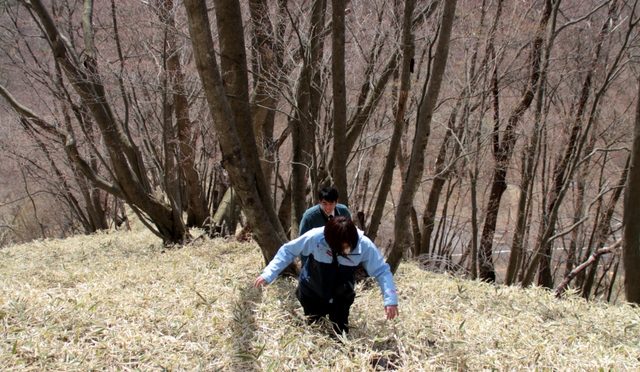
pixel 329 194
pixel 340 230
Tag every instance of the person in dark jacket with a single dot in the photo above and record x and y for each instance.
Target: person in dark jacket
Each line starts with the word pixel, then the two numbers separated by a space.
pixel 318 215
pixel 327 208
pixel 327 285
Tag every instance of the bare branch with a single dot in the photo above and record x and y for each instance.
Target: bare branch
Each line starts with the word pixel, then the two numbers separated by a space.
pixel 563 286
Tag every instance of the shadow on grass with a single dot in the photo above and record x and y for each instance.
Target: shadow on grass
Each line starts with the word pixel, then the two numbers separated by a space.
pixel 285 289
pixel 386 356
pixel 244 326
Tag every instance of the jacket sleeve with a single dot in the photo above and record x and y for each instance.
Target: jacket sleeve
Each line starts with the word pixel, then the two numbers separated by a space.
pixel 285 256
pixel 376 267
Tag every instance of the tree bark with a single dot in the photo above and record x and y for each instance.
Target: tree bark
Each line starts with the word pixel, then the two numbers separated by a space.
pixel 405 85
pixel 423 129
pixel 339 157
pixel 232 120
pixel 197 212
pixel 563 170
pixel 529 165
pixel 631 241
pixel 562 288
pixel 442 171
pixel 565 167
pixel 303 123
pixel 604 228
pixel 267 58
pixel 503 150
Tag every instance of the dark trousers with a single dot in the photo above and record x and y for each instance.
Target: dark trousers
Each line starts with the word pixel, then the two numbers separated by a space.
pixel 316 308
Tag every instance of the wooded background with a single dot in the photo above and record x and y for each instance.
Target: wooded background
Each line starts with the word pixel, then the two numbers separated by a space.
pixel 493 139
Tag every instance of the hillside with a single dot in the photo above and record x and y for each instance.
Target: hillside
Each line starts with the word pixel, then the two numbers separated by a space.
pixel 120 301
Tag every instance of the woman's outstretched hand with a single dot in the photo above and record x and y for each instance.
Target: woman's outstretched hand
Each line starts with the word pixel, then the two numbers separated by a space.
pixel 391 311
pixel 259 282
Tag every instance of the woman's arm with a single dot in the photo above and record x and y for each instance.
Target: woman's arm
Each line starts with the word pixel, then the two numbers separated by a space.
pixel 376 267
pixel 285 256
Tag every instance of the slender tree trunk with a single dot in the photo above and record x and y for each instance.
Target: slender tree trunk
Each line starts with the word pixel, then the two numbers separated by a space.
pixel 197 212
pixel 577 235
pixel 529 166
pixel 563 170
pixel 423 129
pixel 268 51
pixel 405 85
pixel 442 171
pixel 566 165
pixel 33 204
pixel 339 157
pixel 503 149
pixel 359 120
pixel 631 242
pixel 474 223
pixel 429 214
pixel 303 124
pixel 170 177
pixel 604 228
pixel 586 251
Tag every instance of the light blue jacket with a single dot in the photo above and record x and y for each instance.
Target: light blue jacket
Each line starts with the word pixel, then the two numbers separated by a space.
pixel 313 244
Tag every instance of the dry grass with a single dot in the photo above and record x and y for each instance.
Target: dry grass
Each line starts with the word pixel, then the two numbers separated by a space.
pixel 120 301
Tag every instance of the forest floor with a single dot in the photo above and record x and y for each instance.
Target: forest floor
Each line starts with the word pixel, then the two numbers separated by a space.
pixel 121 301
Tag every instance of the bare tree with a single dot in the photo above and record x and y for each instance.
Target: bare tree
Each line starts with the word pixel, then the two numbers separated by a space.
pixel 339 99
pixel 503 147
pixel 566 165
pixel 423 128
pixel 408 50
pixel 132 183
pixel 197 212
pixel 304 120
pixel 229 106
pixel 631 239
pixel 604 228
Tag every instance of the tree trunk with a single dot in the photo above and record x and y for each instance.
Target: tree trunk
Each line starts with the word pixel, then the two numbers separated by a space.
pixel 232 117
pixel 529 166
pixel 565 168
pixel 604 228
pixel 474 222
pixel 442 171
pixel 225 219
pixel 423 129
pixel 339 153
pixel 197 212
pixel 303 123
pixel 577 235
pixel 374 92
pixel 631 241
pixel 503 149
pixel 563 171
pixel 267 55
pixel 405 85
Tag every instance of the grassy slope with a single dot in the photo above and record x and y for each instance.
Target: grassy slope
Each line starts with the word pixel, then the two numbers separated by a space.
pixel 119 301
